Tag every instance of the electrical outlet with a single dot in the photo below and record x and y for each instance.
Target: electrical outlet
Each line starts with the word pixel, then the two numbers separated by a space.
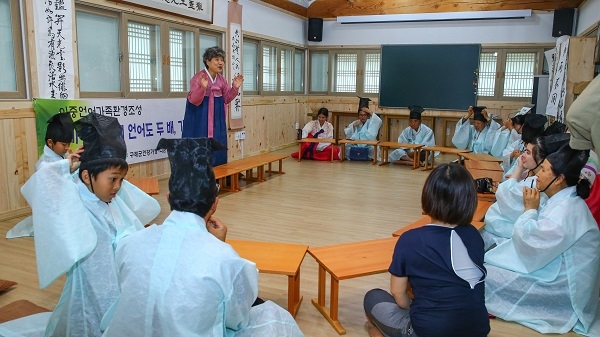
pixel 240 135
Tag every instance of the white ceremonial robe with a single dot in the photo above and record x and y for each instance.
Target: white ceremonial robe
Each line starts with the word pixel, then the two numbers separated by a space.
pixel 502 215
pixel 77 236
pixel 423 136
pixel 313 127
pixel 25 227
pixel 367 131
pixel 189 283
pixel 546 275
pixel 465 136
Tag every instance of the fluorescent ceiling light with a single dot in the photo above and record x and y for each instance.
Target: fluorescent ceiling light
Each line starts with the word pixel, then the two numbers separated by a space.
pixel 444 16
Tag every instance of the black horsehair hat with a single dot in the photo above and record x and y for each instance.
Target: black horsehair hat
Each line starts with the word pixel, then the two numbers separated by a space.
pixel 363 103
pixel 102 137
pixel 60 128
pixel 192 177
pixel 415 112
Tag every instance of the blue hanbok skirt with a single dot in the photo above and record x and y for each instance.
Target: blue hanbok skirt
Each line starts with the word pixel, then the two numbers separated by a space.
pixel 195 125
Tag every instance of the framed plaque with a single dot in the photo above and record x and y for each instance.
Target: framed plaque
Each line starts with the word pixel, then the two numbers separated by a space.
pixel 197 9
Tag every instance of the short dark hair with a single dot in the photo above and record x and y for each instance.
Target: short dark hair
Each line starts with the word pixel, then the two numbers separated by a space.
pixel 95 167
pixel 449 195
pixel 211 53
pixel 57 133
pixel 197 207
pixel 519 119
pixel 324 112
pixel 569 163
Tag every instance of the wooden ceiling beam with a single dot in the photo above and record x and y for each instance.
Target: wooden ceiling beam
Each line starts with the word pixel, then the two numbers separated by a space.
pixel 288 6
pixel 334 8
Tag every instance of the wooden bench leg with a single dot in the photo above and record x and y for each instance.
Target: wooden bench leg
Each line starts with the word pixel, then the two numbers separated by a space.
pixel 375 154
pixel 294 298
pixel 384 155
pixel 319 302
pixel 299 151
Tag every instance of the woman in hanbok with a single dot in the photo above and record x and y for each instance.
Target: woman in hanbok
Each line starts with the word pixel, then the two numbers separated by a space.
pixel 205 113
pixel 319 128
pixel 477 137
pixel 545 276
pixel 501 216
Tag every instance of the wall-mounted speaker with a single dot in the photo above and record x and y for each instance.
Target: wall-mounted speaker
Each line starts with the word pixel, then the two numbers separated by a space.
pixel 315 29
pixel 564 19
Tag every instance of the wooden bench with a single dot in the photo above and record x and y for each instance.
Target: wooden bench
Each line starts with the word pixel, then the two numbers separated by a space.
pixel 429 149
pixel 385 148
pixel 148 185
pixel 315 140
pixel 248 164
pixel 478 157
pixel 343 143
pixel 276 258
pixel 346 261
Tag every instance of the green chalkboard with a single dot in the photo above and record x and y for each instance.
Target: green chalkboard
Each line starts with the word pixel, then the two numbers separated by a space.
pixel 432 76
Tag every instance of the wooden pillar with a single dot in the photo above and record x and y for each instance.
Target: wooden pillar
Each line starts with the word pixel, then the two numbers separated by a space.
pixel 581 65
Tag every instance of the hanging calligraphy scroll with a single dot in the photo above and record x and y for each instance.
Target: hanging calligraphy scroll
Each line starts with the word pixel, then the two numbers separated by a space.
pixel 234 33
pixel 197 9
pixel 558 79
pixel 54 49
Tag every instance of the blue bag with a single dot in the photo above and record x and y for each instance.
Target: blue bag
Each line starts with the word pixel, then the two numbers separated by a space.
pixel 359 153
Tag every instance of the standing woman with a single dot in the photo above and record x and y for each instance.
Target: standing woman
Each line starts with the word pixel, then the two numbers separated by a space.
pixel 205 114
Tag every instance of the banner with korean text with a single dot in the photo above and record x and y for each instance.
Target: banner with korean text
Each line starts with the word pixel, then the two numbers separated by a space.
pixel 143 121
pixel 53 21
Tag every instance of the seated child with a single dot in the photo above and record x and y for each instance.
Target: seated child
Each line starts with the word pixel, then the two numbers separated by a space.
pixel 319 128
pixel 188 281
pixel 77 230
pixel 415 133
pixel 366 127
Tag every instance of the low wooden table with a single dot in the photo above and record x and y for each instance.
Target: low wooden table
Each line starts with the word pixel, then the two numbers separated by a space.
pixel 483 165
pixel 148 185
pixel 346 261
pixel 222 172
pixel 343 143
pixel 495 175
pixel 478 157
pixel 385 148
pixel 315 140
pixel 276 258
pixel 442 149
pixel 270 158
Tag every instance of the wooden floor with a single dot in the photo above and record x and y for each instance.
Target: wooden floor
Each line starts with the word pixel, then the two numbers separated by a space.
pixel 314 203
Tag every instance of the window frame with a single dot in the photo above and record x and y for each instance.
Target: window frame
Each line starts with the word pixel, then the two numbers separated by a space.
pixel 360 70
pixel 103 94
pixel 257 67
pixel 279 47
pixel 501 69
pixel 17 30
pixel 198 64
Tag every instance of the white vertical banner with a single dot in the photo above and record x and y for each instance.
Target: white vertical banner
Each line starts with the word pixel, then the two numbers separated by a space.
pixel 235 66
pixel 234 48
pixel 558 80
pixel 54 48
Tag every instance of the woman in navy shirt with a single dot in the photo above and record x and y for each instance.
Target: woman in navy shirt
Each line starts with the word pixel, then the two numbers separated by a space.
pixel 443 261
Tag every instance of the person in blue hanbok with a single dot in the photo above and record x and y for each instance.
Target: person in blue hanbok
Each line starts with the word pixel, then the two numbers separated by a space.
pixel 545 276
pixel 77 233
pixel 188 281
pixel 477 137
pixel 205 113
pixel 502 215
pixel 415 133
pixel 366 127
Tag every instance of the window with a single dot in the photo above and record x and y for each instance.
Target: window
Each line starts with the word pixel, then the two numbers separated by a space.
pixel 250 67
pixel 12 67
pixel 319 64
pixel 282 69
pixel 352 71
pixel 182 59
pixel 508 73
pixel 160 57
pixel 299 71
pixel 99 68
